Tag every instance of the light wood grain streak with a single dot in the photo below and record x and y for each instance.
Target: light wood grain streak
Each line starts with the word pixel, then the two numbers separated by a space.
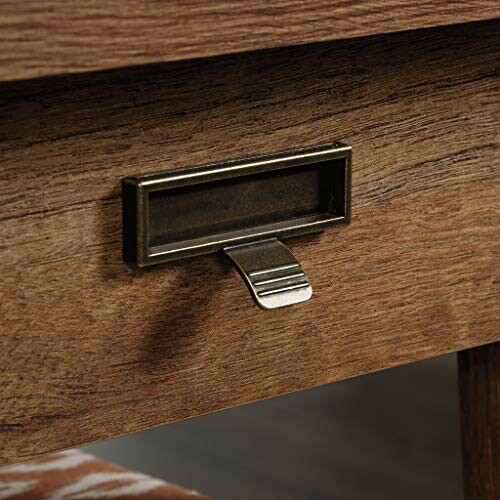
pixel 62 36
pixel 90 348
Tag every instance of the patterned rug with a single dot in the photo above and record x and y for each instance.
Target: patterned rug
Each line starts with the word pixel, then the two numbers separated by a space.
pixel 77 475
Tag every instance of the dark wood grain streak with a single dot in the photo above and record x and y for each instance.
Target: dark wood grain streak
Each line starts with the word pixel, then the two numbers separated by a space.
pixel 90 348
pixel 62 36
pixel 479 372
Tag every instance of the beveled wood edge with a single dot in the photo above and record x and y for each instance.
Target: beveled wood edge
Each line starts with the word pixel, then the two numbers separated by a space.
pixel 64 38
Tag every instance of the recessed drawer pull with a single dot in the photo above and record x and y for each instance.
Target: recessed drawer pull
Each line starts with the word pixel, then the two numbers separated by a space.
pixel 240 207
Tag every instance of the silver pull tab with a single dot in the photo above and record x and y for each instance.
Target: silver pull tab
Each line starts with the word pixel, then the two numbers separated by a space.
pixel 271 272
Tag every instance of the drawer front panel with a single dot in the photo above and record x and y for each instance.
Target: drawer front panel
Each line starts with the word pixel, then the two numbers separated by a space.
pixel 90 348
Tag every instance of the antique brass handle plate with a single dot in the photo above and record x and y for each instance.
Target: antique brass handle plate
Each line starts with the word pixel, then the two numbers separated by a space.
pixel 241 207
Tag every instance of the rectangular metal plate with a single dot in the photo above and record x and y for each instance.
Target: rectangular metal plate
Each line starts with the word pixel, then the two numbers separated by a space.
pixel 181 213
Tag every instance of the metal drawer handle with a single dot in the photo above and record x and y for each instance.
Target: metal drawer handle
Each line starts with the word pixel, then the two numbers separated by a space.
pixel 271 272
pixel 240 207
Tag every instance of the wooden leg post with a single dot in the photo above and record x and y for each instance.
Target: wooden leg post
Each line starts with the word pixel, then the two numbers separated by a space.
pixel 479 378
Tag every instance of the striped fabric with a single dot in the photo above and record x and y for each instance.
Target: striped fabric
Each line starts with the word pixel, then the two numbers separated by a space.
pixel 77 475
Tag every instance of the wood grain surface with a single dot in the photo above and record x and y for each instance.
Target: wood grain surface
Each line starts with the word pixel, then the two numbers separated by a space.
pixel 62 36
pixel 479 372
pixel 90 348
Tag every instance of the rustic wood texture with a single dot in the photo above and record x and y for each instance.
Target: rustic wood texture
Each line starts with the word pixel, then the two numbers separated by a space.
pixel 90 348
pixel 479 372
pixel 62 36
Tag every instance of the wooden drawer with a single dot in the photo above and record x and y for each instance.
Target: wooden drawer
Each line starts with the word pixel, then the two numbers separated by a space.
pixel 90 348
